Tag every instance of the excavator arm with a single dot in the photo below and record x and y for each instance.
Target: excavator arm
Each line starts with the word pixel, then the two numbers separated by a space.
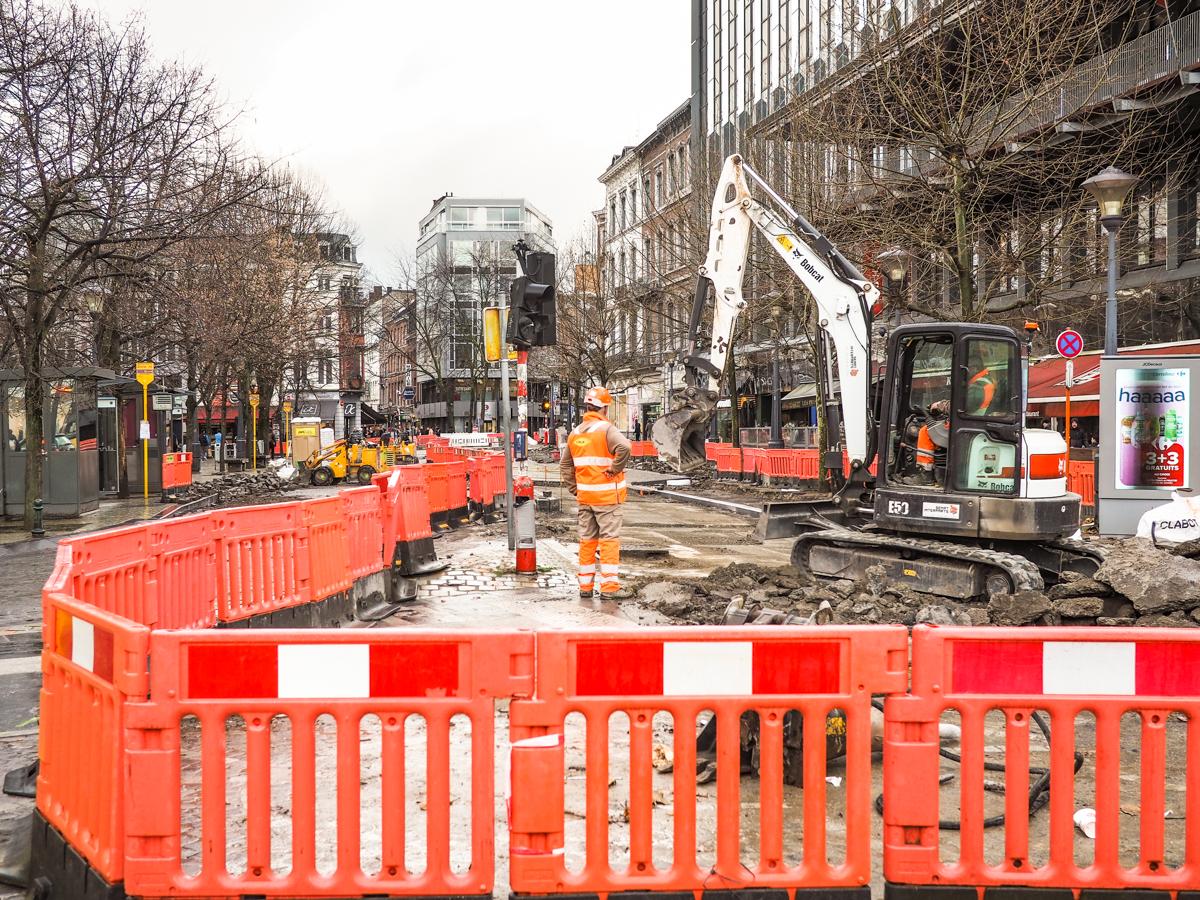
pixel 844 300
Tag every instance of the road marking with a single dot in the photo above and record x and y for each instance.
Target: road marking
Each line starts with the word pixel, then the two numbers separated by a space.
pixel 20 665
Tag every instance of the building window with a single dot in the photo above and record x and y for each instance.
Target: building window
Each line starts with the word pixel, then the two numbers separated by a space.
pixel 1152 229
pixel 624 271
pixel 646 192
pixel 624 221
pixel 612 215
pixel 633 207
pixel 460 218
pixel 658 186
pixel 785 38
pixel 507 218
pixel 648 257
pixel 764 43
pixel 324 283
pixel 748 56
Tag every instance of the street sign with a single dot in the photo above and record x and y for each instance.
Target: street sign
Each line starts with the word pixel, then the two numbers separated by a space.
pixel 254 400
pixel 144 430
pixel 1069 344
pixel 179 404
pixel 409 393
pixel 287 406
pixel 144 373
pixel 349 410
pixel 161 402
pixel 1070 381
pixel 106 403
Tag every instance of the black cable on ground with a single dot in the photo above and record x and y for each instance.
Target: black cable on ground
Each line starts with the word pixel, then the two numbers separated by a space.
pixel 1039 789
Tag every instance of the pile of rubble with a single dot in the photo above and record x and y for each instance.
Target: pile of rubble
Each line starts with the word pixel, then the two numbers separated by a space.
pixel 269 485
pixel 1138 584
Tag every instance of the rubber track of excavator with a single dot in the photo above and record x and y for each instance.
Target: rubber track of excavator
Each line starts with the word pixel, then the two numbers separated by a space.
pixel 1025 575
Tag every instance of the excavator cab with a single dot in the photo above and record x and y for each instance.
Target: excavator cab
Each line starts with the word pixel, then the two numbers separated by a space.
pixel 990 477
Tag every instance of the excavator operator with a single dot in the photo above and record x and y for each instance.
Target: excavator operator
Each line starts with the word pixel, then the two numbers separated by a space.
pixel 934 434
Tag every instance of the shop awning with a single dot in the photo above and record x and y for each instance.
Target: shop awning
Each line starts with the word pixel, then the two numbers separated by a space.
pixel 1048 378
pixel 804 392
pixel 372 416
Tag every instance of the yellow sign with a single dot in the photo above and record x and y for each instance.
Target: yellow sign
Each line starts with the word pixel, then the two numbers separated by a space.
pixel 254 401
pixel 304 430
pixel 144 373
pixel 287 406
pixel 784 242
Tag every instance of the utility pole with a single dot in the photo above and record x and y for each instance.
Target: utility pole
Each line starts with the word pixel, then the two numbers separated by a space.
pixel 506 427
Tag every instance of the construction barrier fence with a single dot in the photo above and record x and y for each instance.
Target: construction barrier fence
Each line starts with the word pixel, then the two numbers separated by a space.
pixel 181 756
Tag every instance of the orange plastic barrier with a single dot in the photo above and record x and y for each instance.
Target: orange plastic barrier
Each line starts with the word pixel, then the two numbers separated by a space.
pixel 362 510
pixel 262 560
pixel 1081 479
pixel 711 448
pixel 778 465
pixel 406 520
pixel 752 461
pixel 1104 673
pixel 176 470
pixel 643 448
pixel 185 584
pixel 457 511
pixel 729 461
pixel 437 488
pixel 390 676
pixel 686 672
pixel 328 547
pixel 92 663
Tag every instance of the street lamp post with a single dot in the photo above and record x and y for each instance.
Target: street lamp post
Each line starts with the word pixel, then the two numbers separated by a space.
pixel 1110 188
pixel 894 263
pixel 776 440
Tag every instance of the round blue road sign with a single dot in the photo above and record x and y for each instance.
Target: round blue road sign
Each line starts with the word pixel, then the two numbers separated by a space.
pixel 1069 344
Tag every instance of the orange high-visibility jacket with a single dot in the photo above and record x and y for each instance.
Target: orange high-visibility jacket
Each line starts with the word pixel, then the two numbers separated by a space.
pixel 588 444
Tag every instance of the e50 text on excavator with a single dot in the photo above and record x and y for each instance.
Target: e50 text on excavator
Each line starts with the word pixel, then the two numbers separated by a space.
pixel 966 501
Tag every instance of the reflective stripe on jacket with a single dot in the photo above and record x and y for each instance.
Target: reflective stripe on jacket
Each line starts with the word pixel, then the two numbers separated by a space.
pixel 590 455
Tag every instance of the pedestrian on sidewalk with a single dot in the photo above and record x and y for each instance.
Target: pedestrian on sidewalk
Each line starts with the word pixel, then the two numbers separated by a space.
pixel 594 472
pixel 637 429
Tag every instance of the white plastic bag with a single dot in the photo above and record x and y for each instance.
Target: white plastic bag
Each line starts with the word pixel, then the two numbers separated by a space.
pixel 1174 522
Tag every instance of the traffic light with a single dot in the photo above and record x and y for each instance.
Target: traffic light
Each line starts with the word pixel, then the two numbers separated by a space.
pixel 531 316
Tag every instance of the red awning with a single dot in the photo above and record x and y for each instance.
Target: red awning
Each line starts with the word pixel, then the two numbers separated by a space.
pixel 1047 378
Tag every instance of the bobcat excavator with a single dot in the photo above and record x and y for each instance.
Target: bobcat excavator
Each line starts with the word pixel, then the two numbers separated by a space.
pixel 982 509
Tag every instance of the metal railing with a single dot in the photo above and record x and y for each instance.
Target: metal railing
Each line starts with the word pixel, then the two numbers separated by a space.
pixel 794 436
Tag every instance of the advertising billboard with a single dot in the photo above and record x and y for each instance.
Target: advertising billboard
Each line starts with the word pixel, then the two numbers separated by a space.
pixel 1147 436
pixel 1151 422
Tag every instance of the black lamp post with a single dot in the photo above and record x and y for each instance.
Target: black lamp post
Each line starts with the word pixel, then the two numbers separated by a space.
pixel 1110 188
pixel 894 263
pixel 776 441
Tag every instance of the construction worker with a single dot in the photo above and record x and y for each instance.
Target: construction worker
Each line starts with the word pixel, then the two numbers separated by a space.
pixel 593 470
pixel 935 432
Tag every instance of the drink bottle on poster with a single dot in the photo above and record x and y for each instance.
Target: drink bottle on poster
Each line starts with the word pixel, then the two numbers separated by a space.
pixel 1152 413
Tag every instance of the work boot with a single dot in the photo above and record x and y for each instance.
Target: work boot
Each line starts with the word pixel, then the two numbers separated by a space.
pixel 586 595
pixel 618 594
pixel 922 478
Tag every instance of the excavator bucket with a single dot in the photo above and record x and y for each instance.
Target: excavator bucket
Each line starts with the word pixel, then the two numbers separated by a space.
pixel 679 435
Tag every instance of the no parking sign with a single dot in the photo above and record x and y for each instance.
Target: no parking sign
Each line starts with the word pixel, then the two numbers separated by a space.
pixel 1069 344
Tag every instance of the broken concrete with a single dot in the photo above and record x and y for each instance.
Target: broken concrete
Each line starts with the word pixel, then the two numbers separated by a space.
pixel 1154 580
pixel 1020 608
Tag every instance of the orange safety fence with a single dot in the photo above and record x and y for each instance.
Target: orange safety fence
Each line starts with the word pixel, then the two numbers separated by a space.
pixel 362 508
pixel 630 676
pixel 437 488
pixel 1120 707
pixel 328 548
pixel 176 470
pixel 263 564
pixel 185 583
pixel 93 661
pixel 642 448
pixel 267 704
pixel 729 460
pixel 1081 479
pixel 456 491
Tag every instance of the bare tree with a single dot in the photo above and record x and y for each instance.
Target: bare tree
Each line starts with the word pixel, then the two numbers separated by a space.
pixel 107 159
pixel 961 138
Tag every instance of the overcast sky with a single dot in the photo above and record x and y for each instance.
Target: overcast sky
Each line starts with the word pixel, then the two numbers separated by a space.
pixel 391 103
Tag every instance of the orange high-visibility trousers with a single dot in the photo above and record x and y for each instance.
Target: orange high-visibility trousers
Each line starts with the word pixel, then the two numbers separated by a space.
pixel 599 530
pixel 925 449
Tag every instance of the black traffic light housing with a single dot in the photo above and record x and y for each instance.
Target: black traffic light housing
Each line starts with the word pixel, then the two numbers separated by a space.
pixel 531 317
